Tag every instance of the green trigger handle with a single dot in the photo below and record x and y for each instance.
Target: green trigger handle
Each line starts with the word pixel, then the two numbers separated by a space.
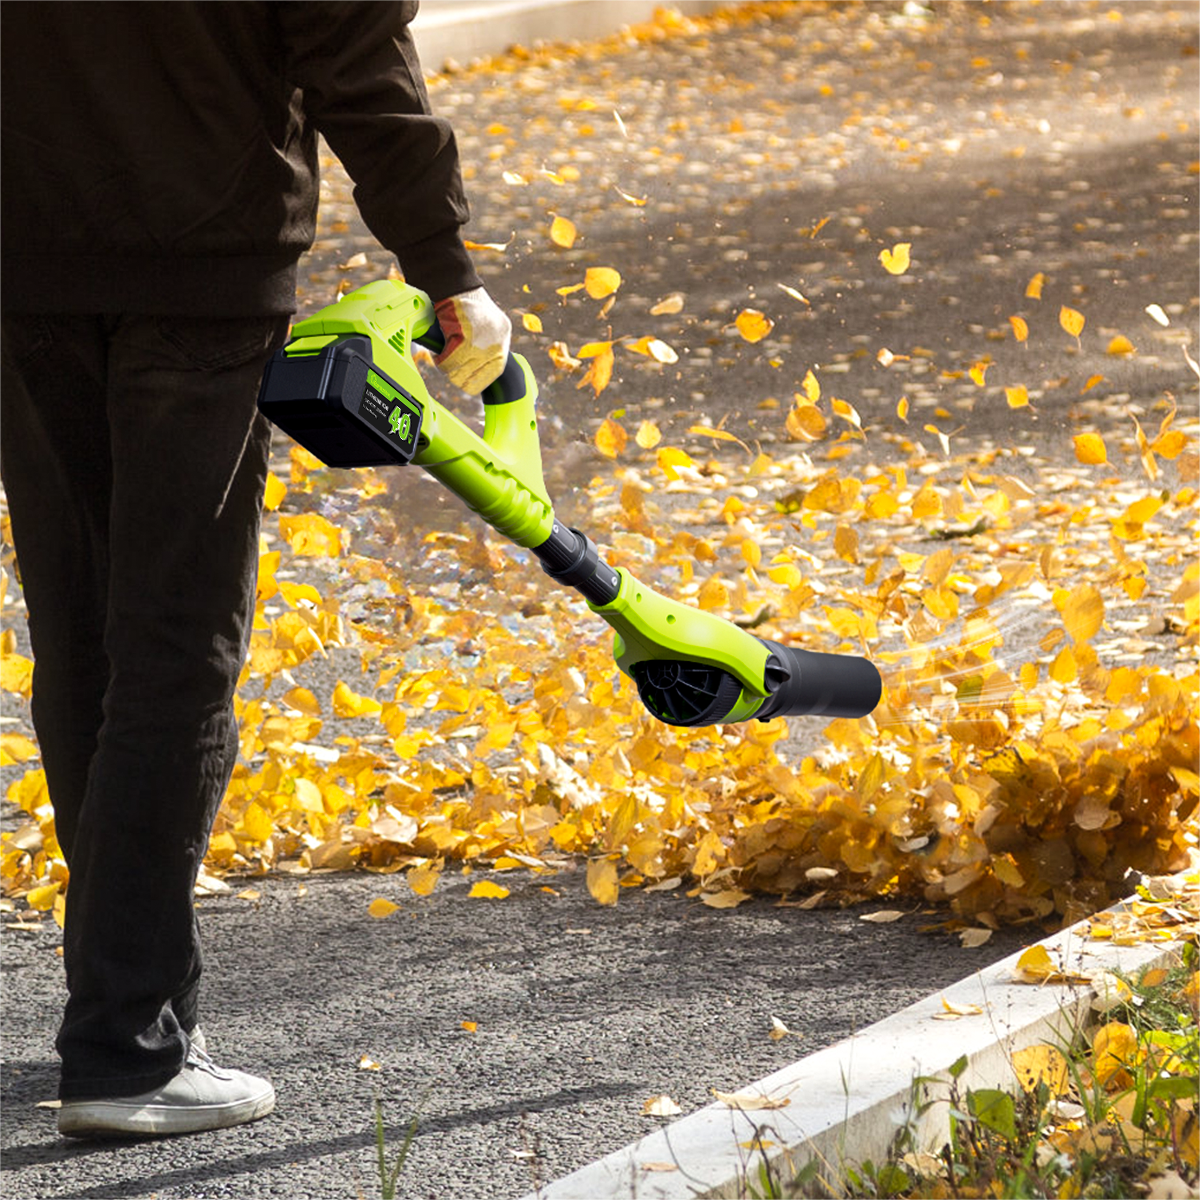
pixel 346 387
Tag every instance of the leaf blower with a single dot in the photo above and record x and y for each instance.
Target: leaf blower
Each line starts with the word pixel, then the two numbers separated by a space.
pixel 347 389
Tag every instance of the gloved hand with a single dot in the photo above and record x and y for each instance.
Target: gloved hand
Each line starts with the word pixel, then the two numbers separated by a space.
pixel 478 334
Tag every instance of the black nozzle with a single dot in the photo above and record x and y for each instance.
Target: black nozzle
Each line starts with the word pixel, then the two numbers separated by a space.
pixel 806 683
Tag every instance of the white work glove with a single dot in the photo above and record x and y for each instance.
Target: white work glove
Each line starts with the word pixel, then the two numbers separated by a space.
pixel 478 334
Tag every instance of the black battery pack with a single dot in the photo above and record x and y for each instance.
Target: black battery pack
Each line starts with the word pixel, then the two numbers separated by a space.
pixel 341 407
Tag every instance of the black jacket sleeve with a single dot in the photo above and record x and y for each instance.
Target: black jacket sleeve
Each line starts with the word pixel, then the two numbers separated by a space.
pixel 363 89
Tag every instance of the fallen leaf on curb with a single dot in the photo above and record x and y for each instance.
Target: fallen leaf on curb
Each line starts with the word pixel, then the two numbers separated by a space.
pixel 658 1166
pixel 1036 966
pixel 1111 991
pixel 749 1101
pixel 660 1106
pixel 961 1010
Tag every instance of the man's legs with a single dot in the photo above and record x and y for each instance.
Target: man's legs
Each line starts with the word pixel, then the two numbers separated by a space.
pixel 171 403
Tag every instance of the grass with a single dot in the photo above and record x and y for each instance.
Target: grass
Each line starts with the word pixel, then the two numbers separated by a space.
pixel 1112 1115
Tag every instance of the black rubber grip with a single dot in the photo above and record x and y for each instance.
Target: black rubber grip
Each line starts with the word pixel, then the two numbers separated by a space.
pixel 806 683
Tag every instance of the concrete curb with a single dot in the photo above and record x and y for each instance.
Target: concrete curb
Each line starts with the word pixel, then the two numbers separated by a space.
pixel 845 1103
pixel 462 30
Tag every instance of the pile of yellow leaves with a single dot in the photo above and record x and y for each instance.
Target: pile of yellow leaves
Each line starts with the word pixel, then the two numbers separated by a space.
pixel 1007 788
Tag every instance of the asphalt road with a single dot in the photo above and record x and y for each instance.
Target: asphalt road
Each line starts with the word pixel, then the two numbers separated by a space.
pixel 582 1014
pixel 998 140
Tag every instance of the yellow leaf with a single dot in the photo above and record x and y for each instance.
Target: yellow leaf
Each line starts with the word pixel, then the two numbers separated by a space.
pixel 805 422
pixel 600 370
pixel 668 305
pixel 610 438
pixel 729 899
pixel 367 1063
pixel 1065 667
pixel 1090 448
pixel 562 232
pixel 602 880
pixel 648 435
pixel 896 260
pixel 1017 397
pixel 16 748
pixel 1072 320
pixel 810 387
pixel 601 282
pixel 1091 382
pixel 469 1026
pixel 660 1106
pixel 846 411
pixel 485 889
pixel 311 535
pixel 423 879
pixel 926 504
pixel 348 703
pixel 16 674
pixel 753 325
pixel 380 908
pixel 255 823
pixel 500 247
pixel 845 543
pixel 532 322
pixel 669 458
pixel 1033 289
pixel 1121 345
pixel 978 373
pixel 303 701
pixel 1114 1048
pixel 274 492
pixel 1041 1064
pixel 1020 328
pixel 1035 965
pixel 902 408
pixel 653 348
pixel 713 595
pixel 1083 613
pixel 961 1010
pixel 42 898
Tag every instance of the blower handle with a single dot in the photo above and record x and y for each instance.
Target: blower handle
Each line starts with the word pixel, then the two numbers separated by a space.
pixel 509 386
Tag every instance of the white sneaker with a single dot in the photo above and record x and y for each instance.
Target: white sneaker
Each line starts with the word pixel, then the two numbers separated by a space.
pixel 202 1096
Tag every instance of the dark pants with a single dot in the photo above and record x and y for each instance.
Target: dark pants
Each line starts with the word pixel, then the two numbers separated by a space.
pixel 134 462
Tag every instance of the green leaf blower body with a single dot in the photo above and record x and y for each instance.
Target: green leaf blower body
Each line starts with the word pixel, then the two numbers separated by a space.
pixel 347 389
